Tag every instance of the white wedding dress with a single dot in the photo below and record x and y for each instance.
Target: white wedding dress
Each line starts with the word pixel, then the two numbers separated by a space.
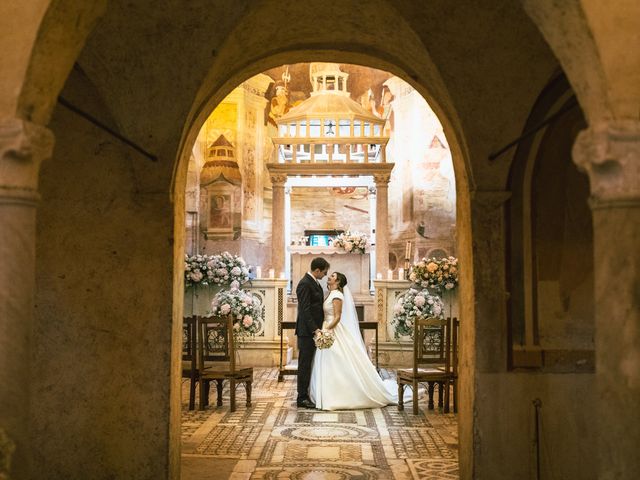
pixel 343 376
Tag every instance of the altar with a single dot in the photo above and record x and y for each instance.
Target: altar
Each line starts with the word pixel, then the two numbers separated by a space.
pixel 355 266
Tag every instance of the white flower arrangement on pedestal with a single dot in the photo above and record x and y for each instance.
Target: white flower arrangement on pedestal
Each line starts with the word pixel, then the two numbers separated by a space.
pixel 414 304
pixel 242 306
pixel 351 242
pixel 222 270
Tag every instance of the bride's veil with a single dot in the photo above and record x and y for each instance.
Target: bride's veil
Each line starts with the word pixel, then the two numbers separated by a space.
pixel 350 318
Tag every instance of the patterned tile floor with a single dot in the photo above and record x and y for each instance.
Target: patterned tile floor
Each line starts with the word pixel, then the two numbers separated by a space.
pixel 275 440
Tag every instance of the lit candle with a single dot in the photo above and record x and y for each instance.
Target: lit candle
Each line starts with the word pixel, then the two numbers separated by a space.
pixel 401 274
pixel 406 250
pixel 258 272
pixel 272 273
pixel 389 274
pixel 408 255
pixel 281 275
pixel 378 276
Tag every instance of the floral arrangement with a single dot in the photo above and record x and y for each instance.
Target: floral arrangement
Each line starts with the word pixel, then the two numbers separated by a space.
pixel 324 339
pixel 355 242
pixel 242 306
pixel 440 274
pixel 222 269
pixel 414 304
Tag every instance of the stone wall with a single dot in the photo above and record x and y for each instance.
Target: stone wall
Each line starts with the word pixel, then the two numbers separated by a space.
pixel 101 365
pixel 505 432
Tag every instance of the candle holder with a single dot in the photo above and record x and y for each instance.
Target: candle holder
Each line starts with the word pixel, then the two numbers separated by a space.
pixel 407 268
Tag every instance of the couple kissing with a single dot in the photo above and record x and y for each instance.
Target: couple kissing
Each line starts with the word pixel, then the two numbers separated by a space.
pixel 340 377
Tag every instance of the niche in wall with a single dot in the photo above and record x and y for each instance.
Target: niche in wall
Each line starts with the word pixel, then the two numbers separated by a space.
pixel 221 193
pixel 550 249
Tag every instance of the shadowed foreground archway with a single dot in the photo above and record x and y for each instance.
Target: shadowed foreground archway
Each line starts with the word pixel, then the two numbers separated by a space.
pixel 108 239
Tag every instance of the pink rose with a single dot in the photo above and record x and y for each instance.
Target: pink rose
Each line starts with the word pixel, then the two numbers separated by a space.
pixel 247 321
pixel 225 309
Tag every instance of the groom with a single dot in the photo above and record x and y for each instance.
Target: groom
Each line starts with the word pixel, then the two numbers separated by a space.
pixel 310 317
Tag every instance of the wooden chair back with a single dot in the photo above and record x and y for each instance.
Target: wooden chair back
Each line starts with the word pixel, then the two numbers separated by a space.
pixel 216 342
pixel 432 344
pixel 189 340
pixel 189 356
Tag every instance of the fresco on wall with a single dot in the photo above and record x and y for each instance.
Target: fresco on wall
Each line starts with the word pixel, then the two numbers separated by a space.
pixel 365 84
pixel 220 213
pixel 422 188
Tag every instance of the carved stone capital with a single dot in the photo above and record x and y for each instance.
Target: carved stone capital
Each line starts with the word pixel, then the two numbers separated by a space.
pixel 278 179
pixel 610 154
pixel 23 148
pixel 381 179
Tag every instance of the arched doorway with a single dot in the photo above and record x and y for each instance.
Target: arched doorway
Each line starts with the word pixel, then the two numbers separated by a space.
pixel 403 25
pixel 225 128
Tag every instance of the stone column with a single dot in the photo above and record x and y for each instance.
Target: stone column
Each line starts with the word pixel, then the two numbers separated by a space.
pixel 23 147
pixel 483 341
pixel 277 222
pixel 382 222
pixel 610 154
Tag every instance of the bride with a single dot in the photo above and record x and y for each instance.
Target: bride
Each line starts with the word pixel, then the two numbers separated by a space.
pixel 343 376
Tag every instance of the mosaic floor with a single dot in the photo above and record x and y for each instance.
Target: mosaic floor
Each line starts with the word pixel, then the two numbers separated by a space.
pixel 275 440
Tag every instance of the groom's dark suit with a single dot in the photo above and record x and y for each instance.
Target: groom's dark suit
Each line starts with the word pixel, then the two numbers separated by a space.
pixel 310 317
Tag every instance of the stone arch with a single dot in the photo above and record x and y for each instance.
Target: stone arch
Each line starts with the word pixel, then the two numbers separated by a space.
pixel 37 102
pixel 447 116
pixel 45 41
pixel 587 37
pixel 529 168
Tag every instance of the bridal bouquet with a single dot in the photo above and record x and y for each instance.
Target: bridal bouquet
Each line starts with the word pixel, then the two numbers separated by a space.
pixel 440 274
pixel 242 306
pixel 324 339
pixel 355 242
pixel 414 304
pixel 222 269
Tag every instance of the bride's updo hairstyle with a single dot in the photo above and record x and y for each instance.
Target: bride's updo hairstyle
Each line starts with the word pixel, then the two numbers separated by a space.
pixel 342 280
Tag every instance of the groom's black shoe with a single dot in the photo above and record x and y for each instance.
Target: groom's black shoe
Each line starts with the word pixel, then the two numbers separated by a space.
pixel 306 403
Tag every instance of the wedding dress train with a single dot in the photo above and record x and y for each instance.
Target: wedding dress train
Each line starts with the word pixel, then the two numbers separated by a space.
pixel 343 376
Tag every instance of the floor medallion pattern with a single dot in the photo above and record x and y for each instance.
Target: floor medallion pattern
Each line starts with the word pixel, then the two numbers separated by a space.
pixel 275 440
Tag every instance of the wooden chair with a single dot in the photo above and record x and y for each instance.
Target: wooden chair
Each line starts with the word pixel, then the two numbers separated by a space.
pixel 431 362
pixel 189 356
pixel 217 361
pixel 285 369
